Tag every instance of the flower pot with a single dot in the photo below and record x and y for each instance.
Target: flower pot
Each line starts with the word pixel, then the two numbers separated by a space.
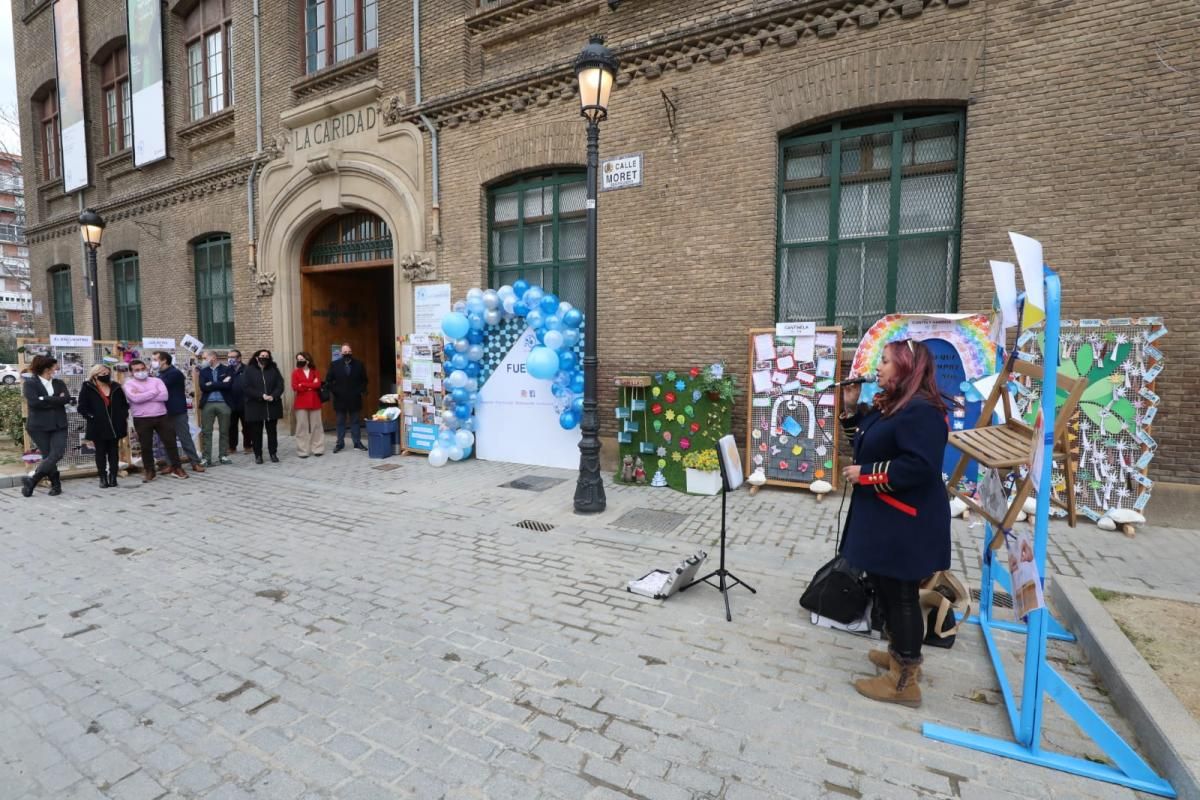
pixel 700 482
pixel 715 396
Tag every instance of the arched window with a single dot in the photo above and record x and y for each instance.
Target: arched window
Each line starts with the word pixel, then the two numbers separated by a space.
pixel 870 216
pixel 127 296
pixel 350 239
pixel 117 107
pixel 213 260
pixel 336 30
pixel 60 298
pixel 537 230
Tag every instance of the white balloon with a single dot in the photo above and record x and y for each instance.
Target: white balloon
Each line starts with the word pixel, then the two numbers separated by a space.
pixel 492 316
pixel 475 294
pixel 505 291
pixel 457 378
pixel 438 457
pixel 553 340
pixel 455 452
pixel 464 439
pixel 510 303
pixel 564 307
pixel 460 306
pixel 472 385
pixel 491 299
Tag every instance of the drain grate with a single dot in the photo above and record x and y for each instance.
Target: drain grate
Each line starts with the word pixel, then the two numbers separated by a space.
pixel 650 519
pixel 532 483
pixel 534 525
pixel 386 467
pixel 999 599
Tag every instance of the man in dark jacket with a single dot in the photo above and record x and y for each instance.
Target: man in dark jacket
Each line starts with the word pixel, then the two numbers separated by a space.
pixel 177 410
pixel 216 397
pixel 347 381
pixel 237 403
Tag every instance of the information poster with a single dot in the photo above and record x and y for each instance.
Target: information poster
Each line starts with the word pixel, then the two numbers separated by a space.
pixel 69 64
pixel 146 80
pixel 431 302
pixel 419 374
pixel 792 427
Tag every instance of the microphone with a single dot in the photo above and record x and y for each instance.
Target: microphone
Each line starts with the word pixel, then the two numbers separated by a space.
pixel 854 381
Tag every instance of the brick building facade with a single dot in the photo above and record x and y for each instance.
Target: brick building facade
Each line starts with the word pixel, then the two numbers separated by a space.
pixel 952 122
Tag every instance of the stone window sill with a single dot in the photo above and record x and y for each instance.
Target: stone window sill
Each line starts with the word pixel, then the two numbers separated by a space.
pixel 211 126
pixel 352 70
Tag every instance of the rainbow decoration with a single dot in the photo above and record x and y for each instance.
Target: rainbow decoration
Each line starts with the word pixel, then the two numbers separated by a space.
pixel 968 333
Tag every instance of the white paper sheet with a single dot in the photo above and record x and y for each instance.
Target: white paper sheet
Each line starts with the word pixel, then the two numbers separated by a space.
pixel 787 362
pixel 1004 275
pixel 805 346
pixel 1029 256
pixel 764 347
pixel 762 380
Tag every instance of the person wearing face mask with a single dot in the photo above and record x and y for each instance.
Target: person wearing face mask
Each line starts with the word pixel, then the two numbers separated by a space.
pixel 177 407
pixel 347 382
pixel 216 396
pixel 148 407
pixel 262 390
pixel 102 403
pixel 236 403
pixel 47 398
pixel 306 383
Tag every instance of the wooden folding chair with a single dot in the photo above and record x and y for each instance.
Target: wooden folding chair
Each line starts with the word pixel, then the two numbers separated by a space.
pixel 1010 444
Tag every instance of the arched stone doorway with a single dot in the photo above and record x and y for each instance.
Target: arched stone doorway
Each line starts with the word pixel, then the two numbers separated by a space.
pixel 347 295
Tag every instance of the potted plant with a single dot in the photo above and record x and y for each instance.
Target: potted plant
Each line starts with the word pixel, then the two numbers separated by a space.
pixel 703 472
pixel 719 385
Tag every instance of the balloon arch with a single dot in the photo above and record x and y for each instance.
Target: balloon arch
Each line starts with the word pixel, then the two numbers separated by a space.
pixel 557 325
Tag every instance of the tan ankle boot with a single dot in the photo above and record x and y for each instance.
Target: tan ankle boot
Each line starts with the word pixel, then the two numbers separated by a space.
pixel 883 659
pixel 897 685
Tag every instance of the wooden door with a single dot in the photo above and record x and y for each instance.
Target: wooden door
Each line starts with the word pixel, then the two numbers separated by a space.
pixel 343 306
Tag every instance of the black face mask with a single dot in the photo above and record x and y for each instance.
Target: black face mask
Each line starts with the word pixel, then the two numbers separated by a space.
pixel 301 364
pixel 104 378
pixel 264 361
pixel 346 356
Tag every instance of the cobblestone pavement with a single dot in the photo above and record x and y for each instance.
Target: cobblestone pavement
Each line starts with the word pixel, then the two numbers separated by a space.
pixel 346 628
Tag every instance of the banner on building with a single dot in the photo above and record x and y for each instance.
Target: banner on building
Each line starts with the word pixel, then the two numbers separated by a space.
pixel 146 80
pixel 516 419
pixel 68 60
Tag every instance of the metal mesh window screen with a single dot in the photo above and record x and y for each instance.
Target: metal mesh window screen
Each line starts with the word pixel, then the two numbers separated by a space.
pixel 127 297
pixel 537 230
pixel 870 219
pixel 64 311
pixel 214 290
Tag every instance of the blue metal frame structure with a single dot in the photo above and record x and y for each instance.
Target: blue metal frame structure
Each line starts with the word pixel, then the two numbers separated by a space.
pixel 1040 679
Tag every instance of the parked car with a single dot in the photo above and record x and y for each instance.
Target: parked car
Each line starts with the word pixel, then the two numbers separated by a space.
pixel 9 375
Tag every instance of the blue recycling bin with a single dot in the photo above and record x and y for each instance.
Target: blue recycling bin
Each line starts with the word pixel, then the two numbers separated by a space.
pixel 381 438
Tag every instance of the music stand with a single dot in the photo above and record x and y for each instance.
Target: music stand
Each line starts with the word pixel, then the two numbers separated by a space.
pixel 731 478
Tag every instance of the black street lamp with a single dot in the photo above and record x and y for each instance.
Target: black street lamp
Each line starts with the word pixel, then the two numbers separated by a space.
pixel 91 228
pixel 595 69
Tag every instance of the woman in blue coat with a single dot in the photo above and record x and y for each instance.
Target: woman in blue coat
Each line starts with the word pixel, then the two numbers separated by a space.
pixel 898 527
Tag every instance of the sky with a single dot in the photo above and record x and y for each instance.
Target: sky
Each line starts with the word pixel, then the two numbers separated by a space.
pixel 8 75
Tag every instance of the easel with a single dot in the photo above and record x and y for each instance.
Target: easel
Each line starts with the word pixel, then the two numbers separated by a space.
pixel 721 573
pixel 1040 679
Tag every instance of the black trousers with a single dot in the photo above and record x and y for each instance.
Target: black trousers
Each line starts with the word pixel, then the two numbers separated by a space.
pixel 146 427
pixel 256 436
pixel 235 419
pixel 53 446
pixel 901 604
pixel 106 456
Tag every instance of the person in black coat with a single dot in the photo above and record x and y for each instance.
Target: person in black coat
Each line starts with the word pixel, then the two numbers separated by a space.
pixel 104 405
pixel 236 404
pixel 262 397
pixel 898 526
pixel 347 382
pixel 47 398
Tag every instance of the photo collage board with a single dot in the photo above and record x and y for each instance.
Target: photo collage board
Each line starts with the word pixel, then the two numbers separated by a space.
pixel 419 376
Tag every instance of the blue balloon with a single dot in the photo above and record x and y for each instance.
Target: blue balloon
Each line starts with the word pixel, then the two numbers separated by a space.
pixel 562 379
pixel 455 325
pixel 576 382
pixel 472 369
pixel 573 318
pixel 570 337
pixel 568 419
pixel 577 406
pixel 535 318
pixel 542 363
pixel 554 323
pixel 474 337
pixel 550 305
pixel 476 322
pixel 557 390
pixel 520 309
pixel 520 287
pixel 459 395
pixel 462 411
pixel 475 306
pixel 541 335
pixel 449 350
pixel 445 438
pixel 533 297
pixel 566 361
pixel 459 361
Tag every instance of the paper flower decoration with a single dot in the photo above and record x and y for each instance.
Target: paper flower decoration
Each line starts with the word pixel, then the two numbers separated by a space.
pixel 657 425
pixel 662 451
pixel 667 436
pixel 677 456
pixel 670 397
pixel 688 410
pixel 655 391
pixel 680 385
pixel 696 427
pixel 671 375
pixel 695 395
pixel 662 462
pixel 685 443
pixel 658 377
pixel 717 370
pixel 695 372
pixel 670 415
pixel 656 408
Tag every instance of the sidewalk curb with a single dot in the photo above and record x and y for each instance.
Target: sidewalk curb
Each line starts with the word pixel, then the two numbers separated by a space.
pixel 1163 726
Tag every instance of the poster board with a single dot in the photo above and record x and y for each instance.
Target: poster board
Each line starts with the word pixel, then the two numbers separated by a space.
pixel 419 375
pixel 1112 427
pixel 792 428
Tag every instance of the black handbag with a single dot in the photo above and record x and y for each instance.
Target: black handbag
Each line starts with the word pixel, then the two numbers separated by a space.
pixel 324 392
pixel 837 591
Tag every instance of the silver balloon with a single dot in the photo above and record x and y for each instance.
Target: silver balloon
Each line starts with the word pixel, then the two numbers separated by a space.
pixel 491 299
pixel 475 294
pixel 492 316
pixel 461 345
pixel 475 352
